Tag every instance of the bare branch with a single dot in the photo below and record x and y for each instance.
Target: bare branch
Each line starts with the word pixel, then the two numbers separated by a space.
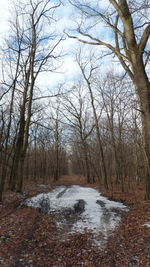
pixel 144 38
pixel 98 42
pixel 124 65
pixel 147 58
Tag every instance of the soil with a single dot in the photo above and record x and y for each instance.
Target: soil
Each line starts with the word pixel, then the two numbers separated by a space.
pixel 30 237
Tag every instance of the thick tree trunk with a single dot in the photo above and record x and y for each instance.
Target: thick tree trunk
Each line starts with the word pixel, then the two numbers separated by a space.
pixel 16 161
pixel 143 90
pixel 21 174
pixel 146 134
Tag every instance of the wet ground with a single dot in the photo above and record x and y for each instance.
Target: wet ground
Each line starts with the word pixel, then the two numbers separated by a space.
pixel 80 209
pixel 73 226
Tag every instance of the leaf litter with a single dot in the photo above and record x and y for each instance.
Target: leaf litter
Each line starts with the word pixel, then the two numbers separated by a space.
pixel 80 208
pixel 36 237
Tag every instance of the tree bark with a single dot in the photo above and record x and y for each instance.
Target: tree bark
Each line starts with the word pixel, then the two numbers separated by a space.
pixel 142 86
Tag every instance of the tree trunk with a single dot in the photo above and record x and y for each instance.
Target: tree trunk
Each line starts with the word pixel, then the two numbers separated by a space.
pixel 5 158
pixel 146 134
pixel 87 167
pixel 143 90
pixel 18 149
pixel 101 152
pixel 20 176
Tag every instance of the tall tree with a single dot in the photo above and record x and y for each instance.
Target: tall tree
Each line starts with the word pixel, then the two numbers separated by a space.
pixel 33 48
pixel 76 111
pixel 88 77
pixel 129 23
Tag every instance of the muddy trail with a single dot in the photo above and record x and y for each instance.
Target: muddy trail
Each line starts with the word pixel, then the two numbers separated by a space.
pixel 70 225
pixel 80 209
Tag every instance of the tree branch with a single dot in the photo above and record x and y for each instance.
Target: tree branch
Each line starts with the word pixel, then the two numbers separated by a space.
pixel 98 42
pixel 124 65
pixel 144 38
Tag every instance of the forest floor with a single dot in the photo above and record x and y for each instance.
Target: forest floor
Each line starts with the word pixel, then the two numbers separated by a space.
pixel 29 237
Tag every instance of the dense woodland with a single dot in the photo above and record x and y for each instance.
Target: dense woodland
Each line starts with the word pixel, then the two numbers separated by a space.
pixel 98 125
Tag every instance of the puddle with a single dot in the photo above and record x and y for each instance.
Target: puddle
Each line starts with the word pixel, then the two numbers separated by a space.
pixel 80 209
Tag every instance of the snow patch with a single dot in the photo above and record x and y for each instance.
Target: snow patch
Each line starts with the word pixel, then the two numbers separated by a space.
pixel 147 224
pixel 99 215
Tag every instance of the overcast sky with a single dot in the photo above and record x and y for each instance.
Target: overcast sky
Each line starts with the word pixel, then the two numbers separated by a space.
pixel 69 68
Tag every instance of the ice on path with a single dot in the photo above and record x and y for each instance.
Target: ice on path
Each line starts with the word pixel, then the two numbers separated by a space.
pixel 95 217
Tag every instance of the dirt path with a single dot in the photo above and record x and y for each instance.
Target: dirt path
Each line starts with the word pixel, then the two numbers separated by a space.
pixel 29 237
pixel 80 209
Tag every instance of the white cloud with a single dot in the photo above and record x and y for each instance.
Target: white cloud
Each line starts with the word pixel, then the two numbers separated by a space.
pixel 69 69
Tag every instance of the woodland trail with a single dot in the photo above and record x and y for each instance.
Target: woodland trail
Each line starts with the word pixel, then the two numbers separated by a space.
pixel 32 237
pixel 80 209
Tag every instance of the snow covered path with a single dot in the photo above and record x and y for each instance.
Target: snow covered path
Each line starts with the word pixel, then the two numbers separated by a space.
pixel 80 209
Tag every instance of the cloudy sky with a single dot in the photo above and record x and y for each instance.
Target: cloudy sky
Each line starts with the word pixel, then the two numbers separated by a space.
pixel 4 16
pixel 69 69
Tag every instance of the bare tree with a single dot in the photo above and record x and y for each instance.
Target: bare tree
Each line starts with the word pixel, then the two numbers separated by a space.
pixel 130 25
pixel 10 88
pixel 77 115
pixel 32 51
pixel 88 77
pixel 116 99
pixel 55 117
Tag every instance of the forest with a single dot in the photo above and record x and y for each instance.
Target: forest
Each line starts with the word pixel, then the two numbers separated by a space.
pixel 75 110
